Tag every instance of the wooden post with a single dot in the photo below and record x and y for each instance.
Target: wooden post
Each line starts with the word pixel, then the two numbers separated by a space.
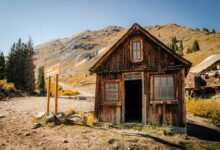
pixel 56 94
pixel 48 95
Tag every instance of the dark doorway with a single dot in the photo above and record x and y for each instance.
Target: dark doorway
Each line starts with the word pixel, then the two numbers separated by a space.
pixel 133 101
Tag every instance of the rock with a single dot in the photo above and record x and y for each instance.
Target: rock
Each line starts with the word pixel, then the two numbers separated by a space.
pixel 65 141
pixel 116 146
pixel 43 135
pixel 111 141
pixel 60 116
pixel 40 115
pixel 36 125
pixel 50 118
pixel 2 116
pixel 41 143
pixel 27 134
pixel 75 118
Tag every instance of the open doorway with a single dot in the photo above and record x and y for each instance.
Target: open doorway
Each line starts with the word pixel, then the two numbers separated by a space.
pixel 133 101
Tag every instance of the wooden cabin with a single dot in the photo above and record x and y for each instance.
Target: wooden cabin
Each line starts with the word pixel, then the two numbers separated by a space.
pixel 203 79
pixel 140 79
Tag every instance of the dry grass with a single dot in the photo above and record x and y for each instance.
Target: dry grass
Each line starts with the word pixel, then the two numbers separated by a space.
pixel 79 80
pixel 204 108
pixel 68 92
pixel 7 86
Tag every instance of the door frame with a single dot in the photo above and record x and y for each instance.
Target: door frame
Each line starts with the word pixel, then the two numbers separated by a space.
pixel 143 96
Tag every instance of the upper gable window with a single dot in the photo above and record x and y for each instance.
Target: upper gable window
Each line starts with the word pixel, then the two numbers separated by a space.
pixel 136 50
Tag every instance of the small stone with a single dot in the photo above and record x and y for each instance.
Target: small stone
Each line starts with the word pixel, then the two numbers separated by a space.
pixel 2 116
pixel 43 135
pixel 111 141
pixel 40 115
pixel 41 143
pixel 27 134
pixel 18 133
pixel 75 118
pixel 60 116
pixel 65 141
pixel 36 125
pixel 116 146
pixel 51 118
pixel 7 141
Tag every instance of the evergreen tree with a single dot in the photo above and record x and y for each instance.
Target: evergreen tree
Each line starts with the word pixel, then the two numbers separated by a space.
pixel 2 66
pixel 20 57
pixel 29 68
pixel 195 46
pixel 205 29
pixel 11 65
pixel 180 49
pixel 213 30
pixel 174 46
pixel 41 78
pixel 189 50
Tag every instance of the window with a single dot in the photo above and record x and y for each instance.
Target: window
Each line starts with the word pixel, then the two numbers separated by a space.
pixel 136 50
pixel 111 91
pixel 164 88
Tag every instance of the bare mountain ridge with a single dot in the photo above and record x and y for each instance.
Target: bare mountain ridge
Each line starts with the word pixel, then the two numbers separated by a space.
pixel 79 52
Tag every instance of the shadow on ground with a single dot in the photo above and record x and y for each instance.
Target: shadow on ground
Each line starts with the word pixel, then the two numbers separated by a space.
pixel 203 132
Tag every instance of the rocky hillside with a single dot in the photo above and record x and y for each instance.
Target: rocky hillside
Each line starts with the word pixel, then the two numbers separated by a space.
pixel 77 53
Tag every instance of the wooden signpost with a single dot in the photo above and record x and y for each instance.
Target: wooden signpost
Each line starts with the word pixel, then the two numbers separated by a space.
pixel 49 72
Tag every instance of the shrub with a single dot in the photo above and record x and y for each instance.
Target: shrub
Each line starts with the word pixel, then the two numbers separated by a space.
pixel 90 120
pixel 7 86
pixel 68 92
pixel 204 108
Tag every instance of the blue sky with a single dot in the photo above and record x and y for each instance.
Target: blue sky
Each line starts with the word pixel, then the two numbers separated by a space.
pixel 44 20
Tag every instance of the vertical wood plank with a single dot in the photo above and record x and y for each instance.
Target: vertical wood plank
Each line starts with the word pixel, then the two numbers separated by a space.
pixel 56 94
pixel 48 95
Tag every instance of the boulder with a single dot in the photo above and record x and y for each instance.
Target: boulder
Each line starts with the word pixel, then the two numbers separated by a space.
pixel 51 118
pixel 60 116
pixel 75 118
pixel 36 125
pixel 40 115
pixel 2 116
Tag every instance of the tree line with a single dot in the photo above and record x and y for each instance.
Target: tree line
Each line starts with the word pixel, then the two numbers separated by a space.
pixel 18 67
pixel 177 46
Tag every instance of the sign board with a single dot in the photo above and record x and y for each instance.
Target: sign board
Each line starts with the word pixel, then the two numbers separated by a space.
pixel 53 70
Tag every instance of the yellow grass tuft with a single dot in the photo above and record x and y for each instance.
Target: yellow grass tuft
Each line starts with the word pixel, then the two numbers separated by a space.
pixel 7 86
pixel 90 120
pixel 68 92
pixel 204 108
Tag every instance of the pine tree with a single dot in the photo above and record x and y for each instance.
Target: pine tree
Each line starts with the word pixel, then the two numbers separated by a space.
pixel 195 46
pixel 29 68
pixel 180 49
pixel 213 30
pixel 173 45
pixel 41 78
pixel 189 50
pixel 2 66
pixel 11 65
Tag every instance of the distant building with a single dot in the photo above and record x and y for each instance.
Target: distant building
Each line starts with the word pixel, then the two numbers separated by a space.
pixel 204 79
pixel 140 79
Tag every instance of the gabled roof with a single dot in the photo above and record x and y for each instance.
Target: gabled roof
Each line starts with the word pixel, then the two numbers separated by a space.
pixel 209 61
pixel 150 36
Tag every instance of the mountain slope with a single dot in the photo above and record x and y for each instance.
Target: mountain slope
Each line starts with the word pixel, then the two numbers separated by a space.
pixel 77 53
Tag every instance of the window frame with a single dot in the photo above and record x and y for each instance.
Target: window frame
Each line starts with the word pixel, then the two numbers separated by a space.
pixel 131 50
pixel 171 101
pixel 106 101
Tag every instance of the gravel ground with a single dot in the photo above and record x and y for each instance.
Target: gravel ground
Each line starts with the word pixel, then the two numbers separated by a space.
pixel 16 133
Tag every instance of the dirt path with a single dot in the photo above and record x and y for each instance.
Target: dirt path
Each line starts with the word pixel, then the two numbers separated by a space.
pixel 16 122
pixel 82 91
